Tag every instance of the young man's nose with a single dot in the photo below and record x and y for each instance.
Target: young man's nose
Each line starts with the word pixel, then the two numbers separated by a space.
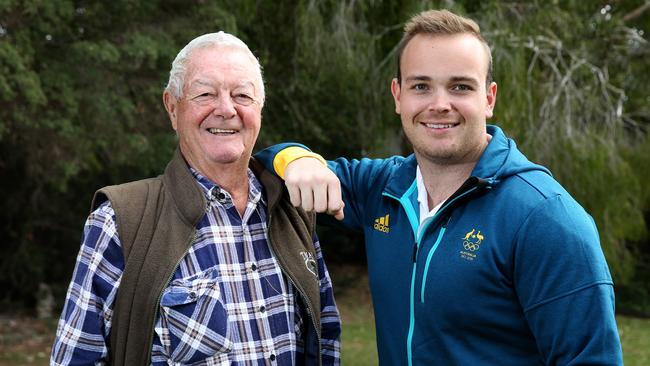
pixel 439 102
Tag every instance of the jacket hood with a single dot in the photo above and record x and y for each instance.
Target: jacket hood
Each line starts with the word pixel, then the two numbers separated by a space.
pixel 502 159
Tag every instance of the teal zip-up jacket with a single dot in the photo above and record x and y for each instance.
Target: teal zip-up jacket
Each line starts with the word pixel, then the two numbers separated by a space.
pixel 508 272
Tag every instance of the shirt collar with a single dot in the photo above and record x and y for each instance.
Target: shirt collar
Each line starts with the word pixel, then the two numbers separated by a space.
pixel 422 191
pixel 211 189
pixel 423 198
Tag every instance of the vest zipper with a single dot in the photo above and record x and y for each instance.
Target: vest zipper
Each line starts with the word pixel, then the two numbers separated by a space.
pixel 301 291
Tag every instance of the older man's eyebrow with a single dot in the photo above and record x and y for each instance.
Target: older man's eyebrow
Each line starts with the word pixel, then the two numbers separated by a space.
pixel 196 84
pixel 246 83
pixel 201 82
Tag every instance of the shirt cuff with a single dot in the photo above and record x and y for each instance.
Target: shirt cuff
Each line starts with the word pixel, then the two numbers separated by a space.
pixel 286 156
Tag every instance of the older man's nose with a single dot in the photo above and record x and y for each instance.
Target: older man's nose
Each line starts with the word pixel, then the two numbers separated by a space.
pixel 224 107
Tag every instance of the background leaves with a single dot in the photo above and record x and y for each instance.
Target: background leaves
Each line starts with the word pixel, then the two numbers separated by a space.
pixel 80 107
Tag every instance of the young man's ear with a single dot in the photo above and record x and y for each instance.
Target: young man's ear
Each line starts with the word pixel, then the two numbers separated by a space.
pixel 170 105
pixel 491 94
pixel 395 89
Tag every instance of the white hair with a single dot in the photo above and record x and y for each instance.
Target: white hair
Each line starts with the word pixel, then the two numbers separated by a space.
pixel 219 39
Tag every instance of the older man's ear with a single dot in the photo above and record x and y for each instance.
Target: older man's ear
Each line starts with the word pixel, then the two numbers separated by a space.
pixel 170 105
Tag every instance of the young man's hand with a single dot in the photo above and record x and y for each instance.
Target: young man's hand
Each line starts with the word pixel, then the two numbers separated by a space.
pixel 314 187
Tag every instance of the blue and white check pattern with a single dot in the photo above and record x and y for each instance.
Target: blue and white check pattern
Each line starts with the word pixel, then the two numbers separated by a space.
pixel 227 303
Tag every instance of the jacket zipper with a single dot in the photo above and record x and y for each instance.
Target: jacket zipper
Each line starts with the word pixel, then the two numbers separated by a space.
pixel 409 340
pixel 429 256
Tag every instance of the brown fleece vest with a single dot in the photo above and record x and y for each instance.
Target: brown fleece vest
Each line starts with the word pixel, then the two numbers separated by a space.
pixel 156 219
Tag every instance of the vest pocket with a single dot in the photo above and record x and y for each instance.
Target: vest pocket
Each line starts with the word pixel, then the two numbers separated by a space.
pixel 193 323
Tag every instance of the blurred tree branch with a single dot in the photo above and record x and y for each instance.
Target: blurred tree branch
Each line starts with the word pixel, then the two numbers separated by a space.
pixel 636 12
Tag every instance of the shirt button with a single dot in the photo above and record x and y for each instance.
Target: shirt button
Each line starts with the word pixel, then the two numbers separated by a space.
pixel 262 309
pixel 272 358
pixel 218 195
pixel 192 295
pixel 253 267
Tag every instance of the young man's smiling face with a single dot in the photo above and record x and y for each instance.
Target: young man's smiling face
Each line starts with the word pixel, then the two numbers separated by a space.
pixel 218 117
pixel 443 99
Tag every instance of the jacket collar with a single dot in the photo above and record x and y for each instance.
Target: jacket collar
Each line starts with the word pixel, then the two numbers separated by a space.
pixel 271 184
pixel 402 178
pixel 188 197
pixel 185 191
pixel 494 156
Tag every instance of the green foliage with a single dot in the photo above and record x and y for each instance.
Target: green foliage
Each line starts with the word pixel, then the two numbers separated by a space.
pixel 81 84
pixel 80 108
pixel 569 100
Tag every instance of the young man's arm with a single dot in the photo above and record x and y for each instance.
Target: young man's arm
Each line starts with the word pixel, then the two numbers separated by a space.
pixel 84 327
pixel 311 184
pixel 341 185
pixel 565 288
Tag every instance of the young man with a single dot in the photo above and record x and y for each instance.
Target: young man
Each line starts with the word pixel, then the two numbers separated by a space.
pixel 476 256
pixel 209 263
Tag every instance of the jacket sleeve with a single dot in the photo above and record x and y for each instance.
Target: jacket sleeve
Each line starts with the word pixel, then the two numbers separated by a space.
pixel 275 158
pixel 357 176
pixel 330 318
pixel 564 286
pixel 83 330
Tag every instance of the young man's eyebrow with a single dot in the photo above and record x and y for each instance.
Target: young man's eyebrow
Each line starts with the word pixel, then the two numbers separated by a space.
pixel 418 78
pixel 464 79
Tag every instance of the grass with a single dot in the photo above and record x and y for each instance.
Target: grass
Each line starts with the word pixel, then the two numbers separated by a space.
pixel 635 335
pixel 353 299
pixel 26 341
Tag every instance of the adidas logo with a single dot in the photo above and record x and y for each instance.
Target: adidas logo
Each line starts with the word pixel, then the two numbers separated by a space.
pixel 381 224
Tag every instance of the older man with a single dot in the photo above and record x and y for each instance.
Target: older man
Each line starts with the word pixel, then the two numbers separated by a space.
pixel 209 263
pixel 476 256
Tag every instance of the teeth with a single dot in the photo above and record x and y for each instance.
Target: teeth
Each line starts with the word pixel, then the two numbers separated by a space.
pixel 438 126
pixel 215 131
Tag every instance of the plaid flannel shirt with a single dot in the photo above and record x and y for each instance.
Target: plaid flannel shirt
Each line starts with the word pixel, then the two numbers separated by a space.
pixel 226 304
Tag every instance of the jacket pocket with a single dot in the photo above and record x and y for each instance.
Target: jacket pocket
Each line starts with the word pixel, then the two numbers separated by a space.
pixel 193 322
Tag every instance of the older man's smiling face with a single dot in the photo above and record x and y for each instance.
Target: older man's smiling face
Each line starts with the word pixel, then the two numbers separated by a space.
pixel 218 117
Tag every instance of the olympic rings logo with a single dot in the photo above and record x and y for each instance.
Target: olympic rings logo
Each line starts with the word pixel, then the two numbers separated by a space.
pixel 468 245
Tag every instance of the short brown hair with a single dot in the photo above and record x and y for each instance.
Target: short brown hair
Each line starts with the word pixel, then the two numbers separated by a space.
pixel 440 22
